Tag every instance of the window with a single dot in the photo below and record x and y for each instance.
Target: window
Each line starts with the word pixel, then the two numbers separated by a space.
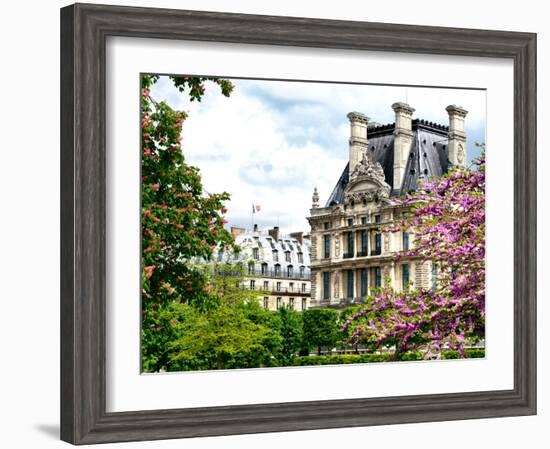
pixel 304 303
pixel 275 255
pixel 377 244
pixel 251 268
pixel 291 286
pixel 278 286
pixel 264 269
pixel 252 284
pixel 405 275
pixel 266 302
pixel 255 253
pixel 278 303
pixel 327 225
pixel 350 221
pixel 277 269
pixel 405 241
pixel 377 277
pixel 364 220
pixel 377 218
pixel 351 248
pixel 220 256
pixel 364 282
pixel 291 303
pixel 300 258
pixel 287 256
pixel 350 284
pixel 302 271
pixel 290 271
pixel 434 276
pixel 266 285
pixel 364 243
pixel 304 286
pixel 326 285
pixel 326 245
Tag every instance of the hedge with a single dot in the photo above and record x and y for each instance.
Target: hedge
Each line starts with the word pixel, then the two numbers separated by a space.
pixel 343 359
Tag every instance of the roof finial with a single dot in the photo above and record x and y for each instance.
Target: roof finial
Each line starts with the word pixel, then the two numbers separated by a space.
pixel 315 198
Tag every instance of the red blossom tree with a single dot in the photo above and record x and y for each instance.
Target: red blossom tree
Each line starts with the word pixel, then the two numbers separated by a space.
pixel 447 219
pixel 180 221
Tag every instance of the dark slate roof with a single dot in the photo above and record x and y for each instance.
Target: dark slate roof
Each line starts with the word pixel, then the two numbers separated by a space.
pixel 427 157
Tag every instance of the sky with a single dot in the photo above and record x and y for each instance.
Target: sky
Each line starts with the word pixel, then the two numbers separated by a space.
pixel 271 142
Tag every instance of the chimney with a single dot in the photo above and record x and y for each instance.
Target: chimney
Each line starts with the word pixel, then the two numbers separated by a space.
pixel 457 136
pixel 297 236
pixel 236 231
pixel 358 141
pixel 401 141
pixel 274 233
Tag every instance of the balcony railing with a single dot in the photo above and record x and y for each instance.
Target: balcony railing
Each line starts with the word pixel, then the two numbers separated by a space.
pixel 350 301
pixel 348 255
pixel 362 253
pixel 281 290
pixel 376 252
pixel 306 275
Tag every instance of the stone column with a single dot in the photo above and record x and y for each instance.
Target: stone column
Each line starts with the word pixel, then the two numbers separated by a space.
pixel 457 136
pixel 402 141
pixel 336 285
pixel 313 287
pixel 358 140
pixel 421 275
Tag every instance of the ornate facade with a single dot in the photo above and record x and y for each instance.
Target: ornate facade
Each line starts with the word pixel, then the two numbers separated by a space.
pixel 350 252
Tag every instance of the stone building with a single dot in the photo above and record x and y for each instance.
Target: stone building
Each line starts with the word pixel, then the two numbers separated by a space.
pixel 350 252
pixel 276 265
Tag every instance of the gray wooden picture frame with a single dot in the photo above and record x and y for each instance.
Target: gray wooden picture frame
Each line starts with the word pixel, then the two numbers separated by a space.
pixel 84 29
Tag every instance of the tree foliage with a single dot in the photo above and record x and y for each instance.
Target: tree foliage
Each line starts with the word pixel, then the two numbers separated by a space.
pixel 291 334
pixel 320 329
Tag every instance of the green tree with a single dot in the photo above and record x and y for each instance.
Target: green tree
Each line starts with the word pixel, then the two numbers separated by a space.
pixel 228 330
pixel 179 220
pixel 291 334
pixel 222 332
pixel 320 329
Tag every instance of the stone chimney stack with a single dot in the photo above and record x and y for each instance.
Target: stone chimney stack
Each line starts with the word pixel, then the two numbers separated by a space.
pixel 236 231
pixel 358 141
pixel 402 141
pixel 457 136
pixel 274 233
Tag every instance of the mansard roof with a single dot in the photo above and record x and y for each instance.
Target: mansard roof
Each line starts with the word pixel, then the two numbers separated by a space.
pixel 427 157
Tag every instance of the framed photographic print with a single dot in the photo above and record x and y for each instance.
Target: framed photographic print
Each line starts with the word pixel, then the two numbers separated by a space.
pixel 273 223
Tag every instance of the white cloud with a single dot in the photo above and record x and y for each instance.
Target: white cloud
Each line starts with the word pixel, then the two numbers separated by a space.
pixel 271 142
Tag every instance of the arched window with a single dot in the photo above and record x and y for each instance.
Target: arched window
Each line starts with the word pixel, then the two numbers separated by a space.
pixel 290 271
pixel 302 271
pixel 264 269
pixel 277 269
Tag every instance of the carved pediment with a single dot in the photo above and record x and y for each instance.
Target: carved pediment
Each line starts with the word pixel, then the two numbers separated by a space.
pixel 368 169
pixel 367 183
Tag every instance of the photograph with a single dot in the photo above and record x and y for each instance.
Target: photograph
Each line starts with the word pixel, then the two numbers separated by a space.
pixel 302 223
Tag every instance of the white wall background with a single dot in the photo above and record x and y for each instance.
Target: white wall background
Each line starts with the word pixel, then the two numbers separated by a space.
pixel 29 224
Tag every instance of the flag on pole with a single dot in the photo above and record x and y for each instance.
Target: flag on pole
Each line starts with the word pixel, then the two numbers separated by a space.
pixel 255 208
